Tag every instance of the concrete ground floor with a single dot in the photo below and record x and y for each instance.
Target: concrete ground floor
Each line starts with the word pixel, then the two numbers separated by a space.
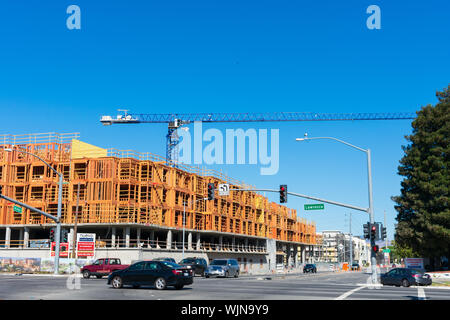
pixel 133 242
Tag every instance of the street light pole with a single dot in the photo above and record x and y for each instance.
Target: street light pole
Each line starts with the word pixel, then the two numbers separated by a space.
pixel 370 209
pixel 58 221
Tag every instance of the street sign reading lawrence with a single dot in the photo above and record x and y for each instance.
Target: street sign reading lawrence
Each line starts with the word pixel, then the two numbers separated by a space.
pixel 17 209
pixel 319 206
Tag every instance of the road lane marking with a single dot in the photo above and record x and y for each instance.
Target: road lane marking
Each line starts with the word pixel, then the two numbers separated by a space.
pixel 421 294
pixel 345 295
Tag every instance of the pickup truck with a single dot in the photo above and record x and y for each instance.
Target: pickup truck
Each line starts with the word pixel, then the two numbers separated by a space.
pixel 102 267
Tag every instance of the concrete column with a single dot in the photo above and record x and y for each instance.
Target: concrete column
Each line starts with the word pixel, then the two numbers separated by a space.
pixel 169 240
pixel 303 254
pixel 296 256
pixel 246 244
pixel 138 237
pixel 272 254
pixel 198 241
pixel 220 242
pixel 152 238
pixel 289 256
pixel 26 237
pixel 127 237
pixel 113 236
pixel 21 234
pixel 233 243
pixel 190 241
pixel 7 237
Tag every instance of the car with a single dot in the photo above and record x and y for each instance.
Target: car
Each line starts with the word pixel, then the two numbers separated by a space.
pixel 309 268
pixel 102 267
pixel 355 266
pixel 199 265
pixel 223 268
pixel 159 274
pixel 405 277
pixel 165 259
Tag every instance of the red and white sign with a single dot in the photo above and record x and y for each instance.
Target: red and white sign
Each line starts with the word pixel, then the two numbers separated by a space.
pixel 63 249
pixel 85 244
pixel 414 263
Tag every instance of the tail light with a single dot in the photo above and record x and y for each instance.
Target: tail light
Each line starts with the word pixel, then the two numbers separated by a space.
pixel 177 272
pixel 416 276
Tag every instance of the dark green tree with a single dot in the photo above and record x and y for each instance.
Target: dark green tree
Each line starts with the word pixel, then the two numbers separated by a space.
pixel 423 206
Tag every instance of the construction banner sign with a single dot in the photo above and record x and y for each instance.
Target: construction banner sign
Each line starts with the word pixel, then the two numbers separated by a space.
pixel 85 244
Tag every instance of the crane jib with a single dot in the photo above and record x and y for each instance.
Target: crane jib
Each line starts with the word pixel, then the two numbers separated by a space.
pixel 269 117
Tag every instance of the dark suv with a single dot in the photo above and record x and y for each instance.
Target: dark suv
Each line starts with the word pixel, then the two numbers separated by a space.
pixel 310 268
pixel 199 265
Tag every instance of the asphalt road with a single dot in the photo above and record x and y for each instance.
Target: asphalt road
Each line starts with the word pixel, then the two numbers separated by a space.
pixel 320 286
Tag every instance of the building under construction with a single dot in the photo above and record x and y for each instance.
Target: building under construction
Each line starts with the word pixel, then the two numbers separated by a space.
pixel 134 200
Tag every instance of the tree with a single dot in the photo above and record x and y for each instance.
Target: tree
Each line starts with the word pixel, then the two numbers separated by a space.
pixel 423 206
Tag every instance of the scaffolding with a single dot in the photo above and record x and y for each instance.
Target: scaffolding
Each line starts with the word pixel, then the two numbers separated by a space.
pixel 124 186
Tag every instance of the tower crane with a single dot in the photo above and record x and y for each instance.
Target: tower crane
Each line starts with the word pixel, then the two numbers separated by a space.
pixel 177 120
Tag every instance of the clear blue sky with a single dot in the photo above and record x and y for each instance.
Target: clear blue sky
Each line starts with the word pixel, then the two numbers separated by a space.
pixel 234 56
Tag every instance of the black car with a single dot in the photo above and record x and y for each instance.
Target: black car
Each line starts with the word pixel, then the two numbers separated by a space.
pixel 310 268
pixel 159 274
pixel 405 277
pixel 199 265
pixel 355 266
pixel 165 259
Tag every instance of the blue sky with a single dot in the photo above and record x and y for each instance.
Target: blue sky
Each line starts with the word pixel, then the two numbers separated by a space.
pixel 234 56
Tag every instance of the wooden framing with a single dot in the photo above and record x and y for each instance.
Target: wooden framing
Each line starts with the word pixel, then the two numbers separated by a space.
pixel 122 188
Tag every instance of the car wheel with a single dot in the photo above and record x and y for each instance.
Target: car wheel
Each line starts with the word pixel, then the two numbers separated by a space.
pixel 236 274
pixel 227 274
pixel 160 283
pixel 206 276
pixel 179 286
pixel 99 277
pixel 117 282
pixel 86 274
pixel 136 286
pixel 405 283
pixel 203 273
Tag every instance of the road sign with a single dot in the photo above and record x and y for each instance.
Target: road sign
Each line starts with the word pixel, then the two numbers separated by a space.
pixel 85 244
pixel 224 189
pixel 387 250
pixel 319 206
pixel 17 209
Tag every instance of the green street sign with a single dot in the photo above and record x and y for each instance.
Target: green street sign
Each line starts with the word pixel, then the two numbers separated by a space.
pixel 17 209
pixel 319 206
pixel 387 250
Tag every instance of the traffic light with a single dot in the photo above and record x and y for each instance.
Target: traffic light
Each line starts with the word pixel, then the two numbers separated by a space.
pixel 65 235
pixel 373 232
pixel 283 193
pixel 366 231
pixel 384 233
pixel 211 191
pixel 375 248
pixel 52 235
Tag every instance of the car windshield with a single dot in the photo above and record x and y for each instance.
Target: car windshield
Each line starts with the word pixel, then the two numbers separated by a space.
pixel 171 264
pixel 310 265
pixel 219 262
